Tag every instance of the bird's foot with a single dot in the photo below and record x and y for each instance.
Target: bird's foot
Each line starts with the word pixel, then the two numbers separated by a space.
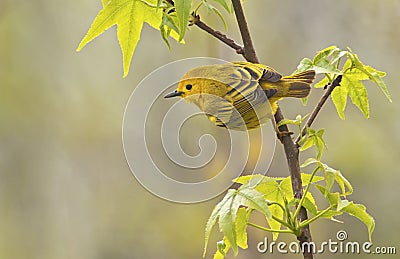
pixel 281 134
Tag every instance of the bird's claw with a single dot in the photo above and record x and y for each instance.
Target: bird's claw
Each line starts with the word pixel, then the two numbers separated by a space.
pixel 281 134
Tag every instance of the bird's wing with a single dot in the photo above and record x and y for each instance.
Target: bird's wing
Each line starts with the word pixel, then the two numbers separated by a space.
pixel 249 102
pixel 218 110
pixel 260 72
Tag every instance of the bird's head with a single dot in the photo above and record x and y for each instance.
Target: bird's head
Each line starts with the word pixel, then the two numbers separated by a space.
pixel 186 87
pixel 200 81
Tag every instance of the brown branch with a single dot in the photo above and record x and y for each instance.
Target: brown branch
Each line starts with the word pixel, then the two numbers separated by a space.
pixel 292 157
pixel 290 147
pixel 249 52
pixel 222 37
pixel 317 108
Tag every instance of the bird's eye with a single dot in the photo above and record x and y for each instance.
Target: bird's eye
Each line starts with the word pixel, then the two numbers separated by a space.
pixel 189 86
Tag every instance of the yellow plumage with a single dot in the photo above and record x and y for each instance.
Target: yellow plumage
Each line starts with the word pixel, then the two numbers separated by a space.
pixel 240 95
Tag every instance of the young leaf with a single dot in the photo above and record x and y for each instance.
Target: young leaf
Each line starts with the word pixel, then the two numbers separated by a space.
pixel 226 212
pixel 255 180
pixel 227 218
pixel 322 83
pixel 332 175
pixel 105 2
pixel 305 64
pixel 309 204
pixel 333 198
pixel 222 248
pixel 313 138
pixel 286 184
pixel 213 218
pixel 224 4
pixel 359 211
pixel 182 8
pixel 129 16
pixel 241 226
pixel 373 74
pixel 339 98
pixel 272 192
pixel 254 200
pixel 331 214
pixel 310 161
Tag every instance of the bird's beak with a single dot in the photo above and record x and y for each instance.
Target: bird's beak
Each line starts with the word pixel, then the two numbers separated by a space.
pixel 174 94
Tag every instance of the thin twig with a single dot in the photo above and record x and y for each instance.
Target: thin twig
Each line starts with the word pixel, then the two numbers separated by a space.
pixel 317 108
pixel 222 37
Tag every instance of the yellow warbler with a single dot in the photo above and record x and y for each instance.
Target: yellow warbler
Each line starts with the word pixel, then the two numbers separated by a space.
pixel 240 95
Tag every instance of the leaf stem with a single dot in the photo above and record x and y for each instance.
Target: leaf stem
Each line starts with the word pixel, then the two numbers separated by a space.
pixel 309 221
pixel 283 222
pixel 318 108
pixel 277 203
pixel 305 193
pixel 269 229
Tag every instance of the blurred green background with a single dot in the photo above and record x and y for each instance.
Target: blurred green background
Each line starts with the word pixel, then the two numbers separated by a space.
pixel 65 188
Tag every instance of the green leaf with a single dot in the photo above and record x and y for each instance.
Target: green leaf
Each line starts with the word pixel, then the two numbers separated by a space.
pixel 255 179
pixel 226 212
pixel 359 211
pixel 313 138
pixel 331 175
pixel 339 98
pixel 272 192
pixel 182 8
pixel 298 121
pixel 168 25
pixel 325 53
pixel 227 218
pixel 305 64
pixel 322 63
pixel 310 161
pixel 222 248
pixel 333 198
pixel 373 74
pixel 224 4
pixel 357 92
pixel 241 226
pixel 105 2
pixel 286 184
pixel 309 204
pixel 129 16
pixel 377 78
pixel 331 214
pixel 308 142
pixel 322 83
pixel 335 175
pixel 211 8
pixel 254 200
pixel 213 218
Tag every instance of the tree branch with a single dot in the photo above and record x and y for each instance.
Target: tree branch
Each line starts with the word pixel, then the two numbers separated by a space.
pixel 249 52
pixel 222 37
pixel 317 108
pixel 290 147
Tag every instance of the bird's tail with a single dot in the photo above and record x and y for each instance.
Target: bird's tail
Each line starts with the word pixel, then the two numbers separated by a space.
pixel 297 85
